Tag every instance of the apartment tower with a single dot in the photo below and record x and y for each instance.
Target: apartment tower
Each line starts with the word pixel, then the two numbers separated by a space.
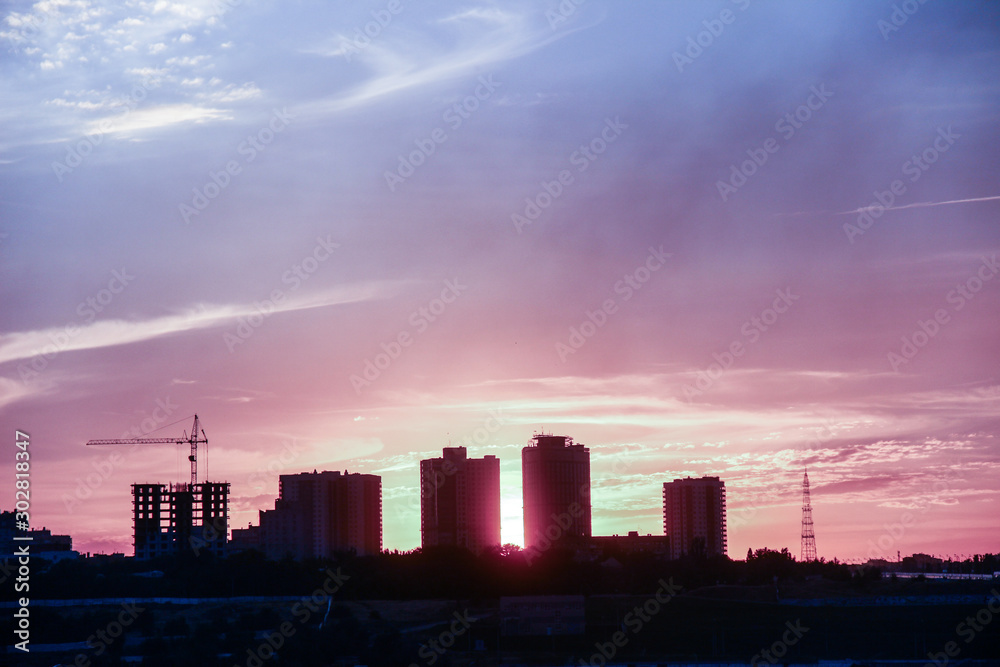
pixel 694 516
pixel 556 486
pixel 317 514
pixel 460 501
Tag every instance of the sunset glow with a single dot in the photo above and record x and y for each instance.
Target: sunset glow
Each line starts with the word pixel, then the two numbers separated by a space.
pixel 772 251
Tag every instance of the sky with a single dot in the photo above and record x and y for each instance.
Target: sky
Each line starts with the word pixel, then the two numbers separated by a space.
pixel 733 238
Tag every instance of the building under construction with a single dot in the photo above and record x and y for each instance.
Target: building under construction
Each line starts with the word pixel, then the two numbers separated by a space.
pixel 169 519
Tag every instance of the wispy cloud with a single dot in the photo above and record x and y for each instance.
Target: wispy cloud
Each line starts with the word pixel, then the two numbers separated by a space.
pixel 12 391
pixel 492 38
pixel 489 14
pixel 109 333
pixel 156 117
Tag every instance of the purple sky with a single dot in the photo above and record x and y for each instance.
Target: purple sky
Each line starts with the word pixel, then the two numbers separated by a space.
pixel 568 223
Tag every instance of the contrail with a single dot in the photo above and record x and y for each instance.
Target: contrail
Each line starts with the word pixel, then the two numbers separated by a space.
pixel 924 204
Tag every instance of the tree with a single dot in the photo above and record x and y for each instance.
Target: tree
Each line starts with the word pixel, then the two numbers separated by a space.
pixel 509 549
pixel 765 564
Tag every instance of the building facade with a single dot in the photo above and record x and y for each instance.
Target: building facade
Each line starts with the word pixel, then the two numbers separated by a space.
pixel 556 487
pixel 169 519
pixel 460 501
pixel 317 514
pixel 694 516
pixel 631 543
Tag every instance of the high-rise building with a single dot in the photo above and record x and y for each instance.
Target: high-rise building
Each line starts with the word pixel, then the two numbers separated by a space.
pixel 317 514
pixel 556 485
pixel 694 516
pixel 168 519
pixel 460 501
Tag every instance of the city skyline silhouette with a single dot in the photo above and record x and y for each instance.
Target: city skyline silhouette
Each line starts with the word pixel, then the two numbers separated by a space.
pixel 732 241
pixel 535 332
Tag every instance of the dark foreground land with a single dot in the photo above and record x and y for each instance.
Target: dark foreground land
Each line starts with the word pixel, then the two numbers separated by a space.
pixel 362 612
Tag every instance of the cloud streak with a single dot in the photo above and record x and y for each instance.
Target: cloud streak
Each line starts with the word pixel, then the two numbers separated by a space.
pixel 397 70
pixel 110 333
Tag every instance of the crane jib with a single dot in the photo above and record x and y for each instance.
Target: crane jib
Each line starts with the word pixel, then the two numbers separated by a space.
pixel 193 440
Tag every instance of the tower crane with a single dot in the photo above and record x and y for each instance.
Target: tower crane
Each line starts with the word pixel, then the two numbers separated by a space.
pixel 192 440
